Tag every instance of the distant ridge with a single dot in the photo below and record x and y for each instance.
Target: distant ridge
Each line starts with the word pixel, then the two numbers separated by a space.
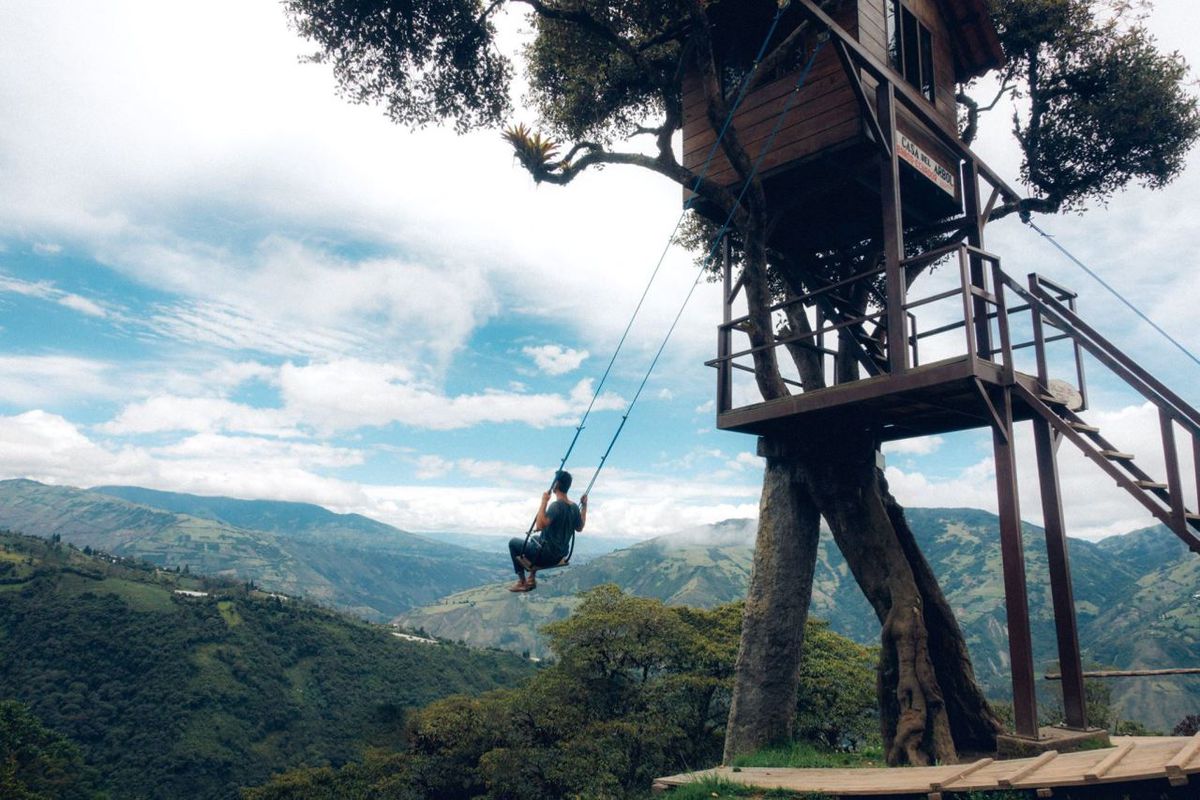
pixel 345 560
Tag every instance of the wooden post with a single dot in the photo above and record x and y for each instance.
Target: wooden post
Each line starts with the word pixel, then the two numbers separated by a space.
pixel 893 231
pixel 1012 553
pixel 970 188
pixel 1061 591
pixel 725 335
pixel 1174 481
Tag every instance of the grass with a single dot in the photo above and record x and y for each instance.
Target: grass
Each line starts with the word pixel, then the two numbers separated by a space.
pixel 229 613
pixel 716 787
pixel 806 754
pixel 16 558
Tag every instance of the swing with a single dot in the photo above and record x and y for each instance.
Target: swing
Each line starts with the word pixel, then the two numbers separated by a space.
pixel 801 80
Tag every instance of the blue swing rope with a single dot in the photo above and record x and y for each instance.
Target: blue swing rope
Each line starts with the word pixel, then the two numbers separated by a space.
pixel 712 152
pixel 1048 237
pixel 800 81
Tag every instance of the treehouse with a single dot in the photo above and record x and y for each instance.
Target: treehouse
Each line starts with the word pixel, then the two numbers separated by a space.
pixel 822 157
pixel 865 157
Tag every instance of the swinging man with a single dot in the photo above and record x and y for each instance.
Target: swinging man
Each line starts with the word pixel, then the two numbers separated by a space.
pixel 557 524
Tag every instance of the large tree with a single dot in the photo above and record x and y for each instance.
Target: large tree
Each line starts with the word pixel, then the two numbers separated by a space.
pixel 1100 107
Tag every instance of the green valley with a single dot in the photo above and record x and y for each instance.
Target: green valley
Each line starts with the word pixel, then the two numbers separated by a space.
pixel 173 685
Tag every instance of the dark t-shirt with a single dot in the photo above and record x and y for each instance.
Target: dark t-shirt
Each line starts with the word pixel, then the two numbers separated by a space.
pixel 564 520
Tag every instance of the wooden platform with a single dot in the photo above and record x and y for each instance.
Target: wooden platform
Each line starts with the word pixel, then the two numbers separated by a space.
pixel 1133 759
pixel 940 397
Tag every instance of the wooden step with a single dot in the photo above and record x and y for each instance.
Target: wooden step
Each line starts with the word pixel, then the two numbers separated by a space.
pixel 1054 401
pixel 1152 485
pixel 1083 428
pixel 1191 516
pixel 1117 455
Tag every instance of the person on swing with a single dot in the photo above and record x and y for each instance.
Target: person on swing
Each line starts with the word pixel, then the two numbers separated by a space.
pixel 557 523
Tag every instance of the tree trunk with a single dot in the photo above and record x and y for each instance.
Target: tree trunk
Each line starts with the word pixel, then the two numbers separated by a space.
pixel 972 722
pixel 841 477
pixel 767 674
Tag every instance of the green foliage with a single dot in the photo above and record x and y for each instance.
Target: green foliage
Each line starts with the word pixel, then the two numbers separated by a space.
pixel 1103 108
pixel 802 754
pixel 192 697
pixel 836 702
pixel 426 61
pixel 37 763
pixel 638 690
pixel 1188 726
pixel 717 787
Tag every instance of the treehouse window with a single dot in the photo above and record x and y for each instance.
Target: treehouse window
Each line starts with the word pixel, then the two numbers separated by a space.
pixel 910 45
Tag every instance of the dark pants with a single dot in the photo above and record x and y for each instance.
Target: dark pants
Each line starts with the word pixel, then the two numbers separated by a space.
pixel 538 555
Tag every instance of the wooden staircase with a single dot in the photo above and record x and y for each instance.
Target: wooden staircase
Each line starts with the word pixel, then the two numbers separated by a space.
pixel 1163 497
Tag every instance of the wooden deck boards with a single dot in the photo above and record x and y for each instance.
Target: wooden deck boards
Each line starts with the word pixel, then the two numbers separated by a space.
pixel 1141 759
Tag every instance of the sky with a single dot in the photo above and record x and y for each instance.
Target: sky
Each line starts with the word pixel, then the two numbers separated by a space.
pixel 218 277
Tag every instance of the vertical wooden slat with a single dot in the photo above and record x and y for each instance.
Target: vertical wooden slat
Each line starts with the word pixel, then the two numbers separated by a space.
pixel 893 231
pixel 1012 554
pixel 1063 595
pixel 724 334
pixel 983 328
pixel 1039 336
pixel 1171 460
pixel 1079 373
pixel 964 276
pixel 1002 324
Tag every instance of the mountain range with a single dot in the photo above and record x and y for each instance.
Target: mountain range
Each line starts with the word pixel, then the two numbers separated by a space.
pixel 1137 595
pixel 344 560
pixel 1136 599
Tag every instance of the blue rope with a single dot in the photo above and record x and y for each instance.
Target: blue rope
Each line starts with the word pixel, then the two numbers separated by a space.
pixel 1114 292
pixel 743 89
pixel 803 77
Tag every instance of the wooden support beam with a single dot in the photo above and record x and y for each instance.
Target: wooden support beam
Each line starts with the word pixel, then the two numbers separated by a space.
pixel 1012 556
pixel 1177 764
pixel 893 234
pixel 1007 781
pixel 968 769
pixel 1061 591
pixel 1109 761
pixel 1128 673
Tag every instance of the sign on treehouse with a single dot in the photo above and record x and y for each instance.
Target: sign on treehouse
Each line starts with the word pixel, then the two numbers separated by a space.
pixel 924 164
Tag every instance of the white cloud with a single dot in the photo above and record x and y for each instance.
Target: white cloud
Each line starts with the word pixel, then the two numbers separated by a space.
pixel 200 414
pixel 349 394
pixel 46 290
pixel 921 446
pixel 47 248
pixel 82 305
pixel 554 359
pixel 28 381
pixel 48 448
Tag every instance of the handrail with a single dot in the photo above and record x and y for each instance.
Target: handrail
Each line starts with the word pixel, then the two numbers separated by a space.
pixel 1062 290
pixel 803 298
pixel 799 337
pixel 1104 351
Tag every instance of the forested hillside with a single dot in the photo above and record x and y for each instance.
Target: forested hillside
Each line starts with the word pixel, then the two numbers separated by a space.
pixel 637 690
pixel 345 560
pixel 1134 598
pixel 172 695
